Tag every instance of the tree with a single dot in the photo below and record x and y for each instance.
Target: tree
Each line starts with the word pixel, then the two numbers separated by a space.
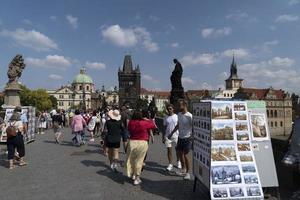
pixel 38 98
pixel 53 100
pixel 142 104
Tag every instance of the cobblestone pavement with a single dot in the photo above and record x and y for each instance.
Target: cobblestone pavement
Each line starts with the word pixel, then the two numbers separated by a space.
pixel 67 172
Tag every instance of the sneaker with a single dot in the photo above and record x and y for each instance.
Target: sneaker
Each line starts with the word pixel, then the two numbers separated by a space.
pixel 187 177
pixel 112 167
pixel 170 167
pixel 179 165
pixel 137 181
pixel 181 173
pixel 92 140
pixel 133 177
pixel 115 167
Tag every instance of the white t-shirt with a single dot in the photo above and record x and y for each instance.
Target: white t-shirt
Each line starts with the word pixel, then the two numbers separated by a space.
pixel 185 123
pixel 170 122
pixel 92 123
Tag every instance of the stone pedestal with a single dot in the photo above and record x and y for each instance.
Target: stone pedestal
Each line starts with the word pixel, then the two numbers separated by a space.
pixel 12 94
pixel 176 94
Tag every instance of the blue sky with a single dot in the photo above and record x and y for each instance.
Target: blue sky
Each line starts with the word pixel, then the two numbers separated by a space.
pixel 58 37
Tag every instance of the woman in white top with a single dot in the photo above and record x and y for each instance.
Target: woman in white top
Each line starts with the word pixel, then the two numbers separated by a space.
pixel 91 125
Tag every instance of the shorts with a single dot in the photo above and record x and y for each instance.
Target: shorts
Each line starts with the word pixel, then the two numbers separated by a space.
pixel 57 129
pixel 169 142
pixel 125 135
pixel 114 145
pixel 184 145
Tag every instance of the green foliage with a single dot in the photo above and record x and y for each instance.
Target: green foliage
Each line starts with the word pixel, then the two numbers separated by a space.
pixel 38 98
pixel 142 104
pixel 54 102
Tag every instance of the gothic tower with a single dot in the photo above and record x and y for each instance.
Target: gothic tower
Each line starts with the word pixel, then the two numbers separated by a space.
pixel 129 83
pixel 233 82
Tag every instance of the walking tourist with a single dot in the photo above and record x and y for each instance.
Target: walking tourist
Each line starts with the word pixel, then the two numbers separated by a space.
pixel 15 139
pixel 78 124
pixel 98 125
pixel 57 121
pixel 91 123
pixel 170 122
pixel 125 132
pixel 42 123
pixel 114 129
pixel 137 145
pixel 184 145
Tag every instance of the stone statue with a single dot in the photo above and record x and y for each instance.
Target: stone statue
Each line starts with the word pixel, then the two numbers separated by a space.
pixel 12 89
pixel 15 69
pixel 176 75
pixel 177 91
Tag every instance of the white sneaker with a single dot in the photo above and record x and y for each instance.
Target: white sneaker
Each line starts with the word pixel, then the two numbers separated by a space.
pixel 187 177
pixel 179 165
pixel 92 140
pixel 112 167
pixel 133 177
pixel 170 167
pixel 180 173
pixel 137 181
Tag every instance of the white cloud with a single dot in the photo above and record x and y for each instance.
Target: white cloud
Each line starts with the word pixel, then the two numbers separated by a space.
pixel 293 2
pixel 31 39
pixel 95 65
pixel 27 22
pixel 188 81
pixel 238 53
pixel 50 61
pixel 277 72
pixel 215 33
pixel 53 17
pixel 286 18
pixel 149 78
pixel 175 45
pixel 240 16
pixel 129 37
pixel 55 76
pixel 154 18
pixel 73 21
pixel 193 59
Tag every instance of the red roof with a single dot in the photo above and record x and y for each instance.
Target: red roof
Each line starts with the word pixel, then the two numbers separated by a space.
pixel 262 93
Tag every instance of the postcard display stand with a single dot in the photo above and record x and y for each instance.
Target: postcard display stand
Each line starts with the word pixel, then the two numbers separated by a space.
pixel 223 158
pixel 30 112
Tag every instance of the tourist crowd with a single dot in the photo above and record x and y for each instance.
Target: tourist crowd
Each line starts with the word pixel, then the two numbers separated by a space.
pixel 113 126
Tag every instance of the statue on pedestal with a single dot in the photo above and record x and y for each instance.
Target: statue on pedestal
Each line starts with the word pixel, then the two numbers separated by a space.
pixel 12 88
pixel 177 91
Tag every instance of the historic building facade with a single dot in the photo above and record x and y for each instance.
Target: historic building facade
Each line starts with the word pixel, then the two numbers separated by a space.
pixel 78 94
pixel 129 83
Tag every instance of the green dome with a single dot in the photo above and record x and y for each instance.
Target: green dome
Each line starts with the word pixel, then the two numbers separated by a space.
pixel 83 78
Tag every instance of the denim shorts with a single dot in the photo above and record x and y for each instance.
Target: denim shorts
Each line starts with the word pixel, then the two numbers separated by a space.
pixel 125 135
pixel 184 145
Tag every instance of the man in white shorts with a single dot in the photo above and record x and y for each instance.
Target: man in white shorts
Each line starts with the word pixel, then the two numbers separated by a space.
pixel 170 123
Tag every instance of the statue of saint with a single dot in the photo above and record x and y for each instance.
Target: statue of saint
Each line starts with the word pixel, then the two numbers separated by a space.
pixel 176 75
pixel 15 69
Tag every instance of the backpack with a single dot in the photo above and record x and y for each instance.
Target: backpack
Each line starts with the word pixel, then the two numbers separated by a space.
pixel 11 131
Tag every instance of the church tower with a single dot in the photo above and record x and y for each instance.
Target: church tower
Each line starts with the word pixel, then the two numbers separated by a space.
pixel 129 83
pixel 233 82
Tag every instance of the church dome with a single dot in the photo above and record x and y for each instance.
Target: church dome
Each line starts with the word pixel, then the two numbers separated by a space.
pixel 82 77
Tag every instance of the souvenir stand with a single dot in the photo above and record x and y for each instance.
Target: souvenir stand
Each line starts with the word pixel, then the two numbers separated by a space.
pixel 227 149
pixel 27 110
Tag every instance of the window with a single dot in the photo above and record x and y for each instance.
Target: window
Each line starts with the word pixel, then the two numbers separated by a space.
pixel 275 113
pixel 281 124
pixel 61 103
pixel 268 113
pixel 87 88
pixel 80 87
pixel 275 124
pixel 271 124
pixel 272 113
pixel 69 103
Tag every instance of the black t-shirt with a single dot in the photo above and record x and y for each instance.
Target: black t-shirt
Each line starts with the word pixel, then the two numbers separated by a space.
pixel 57 119
pixel 114 129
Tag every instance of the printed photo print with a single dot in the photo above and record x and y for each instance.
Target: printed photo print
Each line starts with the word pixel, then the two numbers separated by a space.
pixel 221 110
pixel 259 128
pixel 248 168
pixel 241 126
pixel 222 130
pixel 220 193
pixel 240 116
pixel 243 146
pixel 223 152
pixel 228 174
pixel 254 191
pixel 251 179
pixel 239 106
pixel 242 136
pixel 236 192
pixel 246 157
